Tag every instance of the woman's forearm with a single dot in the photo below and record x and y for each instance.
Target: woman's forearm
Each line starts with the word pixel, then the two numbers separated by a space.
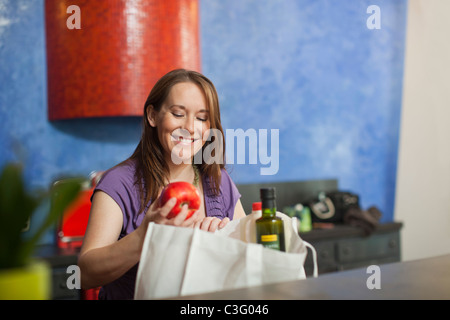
pixel 100 266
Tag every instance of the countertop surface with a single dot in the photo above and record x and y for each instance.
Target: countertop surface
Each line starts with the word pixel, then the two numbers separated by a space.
pixel 419 279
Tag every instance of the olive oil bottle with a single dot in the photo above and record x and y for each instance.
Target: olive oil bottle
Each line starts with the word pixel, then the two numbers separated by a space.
pixel 269 228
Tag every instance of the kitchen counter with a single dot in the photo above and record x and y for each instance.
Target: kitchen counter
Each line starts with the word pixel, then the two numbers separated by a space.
pixel 419 279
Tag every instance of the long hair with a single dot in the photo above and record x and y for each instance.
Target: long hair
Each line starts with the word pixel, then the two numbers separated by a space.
pixel 151 168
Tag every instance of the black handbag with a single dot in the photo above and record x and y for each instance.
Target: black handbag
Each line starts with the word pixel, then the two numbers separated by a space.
pixel 332 206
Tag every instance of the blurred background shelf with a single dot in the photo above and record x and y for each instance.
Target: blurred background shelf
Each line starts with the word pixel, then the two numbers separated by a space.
pixel 345 247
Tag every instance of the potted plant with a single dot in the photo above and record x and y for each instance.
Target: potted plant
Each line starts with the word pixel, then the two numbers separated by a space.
pixel 23 277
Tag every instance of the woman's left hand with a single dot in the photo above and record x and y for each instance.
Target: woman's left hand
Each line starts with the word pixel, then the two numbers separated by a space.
pixel 211 224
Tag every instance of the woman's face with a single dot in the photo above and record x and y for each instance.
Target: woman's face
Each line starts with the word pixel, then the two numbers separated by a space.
pixel 182 122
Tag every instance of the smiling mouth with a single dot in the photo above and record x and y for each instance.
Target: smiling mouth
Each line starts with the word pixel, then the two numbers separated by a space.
pixel 184 140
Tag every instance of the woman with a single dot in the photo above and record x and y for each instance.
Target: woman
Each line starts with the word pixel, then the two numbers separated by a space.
pixel 180 114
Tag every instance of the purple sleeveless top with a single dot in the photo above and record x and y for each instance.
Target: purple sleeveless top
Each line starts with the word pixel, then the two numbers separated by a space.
pixel 119 184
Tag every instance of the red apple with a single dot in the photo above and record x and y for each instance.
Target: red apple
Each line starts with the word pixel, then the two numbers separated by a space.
pixel 185 193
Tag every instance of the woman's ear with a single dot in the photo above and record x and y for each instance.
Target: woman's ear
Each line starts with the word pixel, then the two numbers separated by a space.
pixel 151 116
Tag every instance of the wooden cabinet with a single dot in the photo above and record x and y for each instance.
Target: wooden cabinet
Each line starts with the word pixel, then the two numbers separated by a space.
pixel 60 260
pixel 345 247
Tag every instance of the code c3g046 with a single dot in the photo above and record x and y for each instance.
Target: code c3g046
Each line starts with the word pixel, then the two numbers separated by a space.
pixel 246 309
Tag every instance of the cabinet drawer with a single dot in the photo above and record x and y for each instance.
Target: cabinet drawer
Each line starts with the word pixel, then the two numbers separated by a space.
pixel 59 286
pixel 373 247
pixel 326 257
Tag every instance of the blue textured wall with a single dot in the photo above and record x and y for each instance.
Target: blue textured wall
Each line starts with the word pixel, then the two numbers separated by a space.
pixel 311 69
pixel 49 149
pixel 315 71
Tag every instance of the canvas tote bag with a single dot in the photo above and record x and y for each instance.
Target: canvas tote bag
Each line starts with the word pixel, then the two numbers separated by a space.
pixel 183 261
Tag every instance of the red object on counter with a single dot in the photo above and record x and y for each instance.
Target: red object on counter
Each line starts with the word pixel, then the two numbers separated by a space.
pixel 109 66
pixel 74 222
pixel 72 226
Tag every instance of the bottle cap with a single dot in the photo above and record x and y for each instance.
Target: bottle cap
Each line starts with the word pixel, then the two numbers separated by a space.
pixel 256 206
pixel 267 193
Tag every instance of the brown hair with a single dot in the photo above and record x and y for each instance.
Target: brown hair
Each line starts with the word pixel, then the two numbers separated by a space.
pixel 151 169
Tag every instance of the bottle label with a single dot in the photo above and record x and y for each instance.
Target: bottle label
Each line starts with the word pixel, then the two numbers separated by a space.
pixel 270 241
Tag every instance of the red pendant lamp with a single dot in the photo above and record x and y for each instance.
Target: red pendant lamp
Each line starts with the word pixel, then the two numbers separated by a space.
pixel 108 66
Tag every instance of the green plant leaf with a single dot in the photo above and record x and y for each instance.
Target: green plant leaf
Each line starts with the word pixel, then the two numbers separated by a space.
pixel 62 195
pixel 17 206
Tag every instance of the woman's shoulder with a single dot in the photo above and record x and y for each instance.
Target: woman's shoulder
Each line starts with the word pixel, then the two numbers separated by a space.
pixel 123 173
